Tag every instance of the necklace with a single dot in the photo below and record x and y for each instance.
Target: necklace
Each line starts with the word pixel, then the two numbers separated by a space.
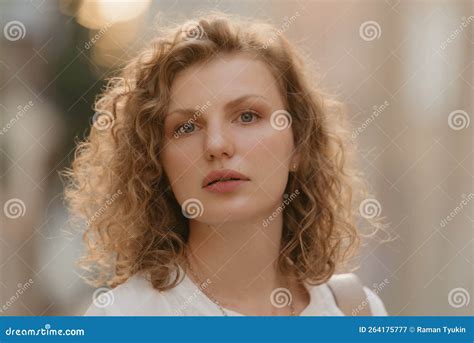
pixel 213 299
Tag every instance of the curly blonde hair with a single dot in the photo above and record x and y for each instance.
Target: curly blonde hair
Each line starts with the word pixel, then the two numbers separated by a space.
pixel 117 183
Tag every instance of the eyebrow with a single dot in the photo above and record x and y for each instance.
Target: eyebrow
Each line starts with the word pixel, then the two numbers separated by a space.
pixel 231 104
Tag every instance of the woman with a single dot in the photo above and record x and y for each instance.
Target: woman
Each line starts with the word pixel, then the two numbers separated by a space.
pixel 216 181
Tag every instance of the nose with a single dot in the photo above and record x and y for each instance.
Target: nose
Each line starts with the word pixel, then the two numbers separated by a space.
pixel 219 143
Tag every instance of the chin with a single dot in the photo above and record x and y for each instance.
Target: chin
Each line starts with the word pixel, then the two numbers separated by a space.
pixel 223 212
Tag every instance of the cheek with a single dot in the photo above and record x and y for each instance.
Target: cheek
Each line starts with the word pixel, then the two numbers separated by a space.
pixel 270 155
pixel 179 167
pixel 269 149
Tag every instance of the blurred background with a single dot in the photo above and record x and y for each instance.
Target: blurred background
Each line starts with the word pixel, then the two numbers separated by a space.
pixel 403 68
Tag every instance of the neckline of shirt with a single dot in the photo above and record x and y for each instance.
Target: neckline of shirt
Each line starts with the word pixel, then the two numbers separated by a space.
pixel 193 288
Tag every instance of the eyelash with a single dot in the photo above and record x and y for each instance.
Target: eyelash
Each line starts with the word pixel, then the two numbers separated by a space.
pixel 255 114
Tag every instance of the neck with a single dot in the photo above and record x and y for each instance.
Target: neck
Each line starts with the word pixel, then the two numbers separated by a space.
pixel 239 258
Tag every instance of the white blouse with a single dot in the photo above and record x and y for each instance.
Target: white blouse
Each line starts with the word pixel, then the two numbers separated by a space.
pixel 137 297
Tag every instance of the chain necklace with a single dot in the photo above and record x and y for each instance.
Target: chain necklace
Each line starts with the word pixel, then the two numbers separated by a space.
pixel 210 296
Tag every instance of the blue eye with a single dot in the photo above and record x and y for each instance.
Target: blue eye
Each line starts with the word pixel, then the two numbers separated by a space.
pixel 247 116
pixel 184 128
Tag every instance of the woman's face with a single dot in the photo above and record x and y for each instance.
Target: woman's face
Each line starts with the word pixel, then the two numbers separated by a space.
pixel 219 118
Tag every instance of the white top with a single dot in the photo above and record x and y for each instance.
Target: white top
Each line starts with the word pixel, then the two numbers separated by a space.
pixel 137 297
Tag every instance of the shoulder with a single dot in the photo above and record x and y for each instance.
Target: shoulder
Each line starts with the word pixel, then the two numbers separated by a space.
pixel 353 297
pixel 376 304
pixel 135 297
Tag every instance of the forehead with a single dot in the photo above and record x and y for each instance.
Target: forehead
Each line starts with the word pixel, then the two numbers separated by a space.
pixel 224 77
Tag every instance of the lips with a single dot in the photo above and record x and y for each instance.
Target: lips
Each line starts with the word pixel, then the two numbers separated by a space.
pixel 221 175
